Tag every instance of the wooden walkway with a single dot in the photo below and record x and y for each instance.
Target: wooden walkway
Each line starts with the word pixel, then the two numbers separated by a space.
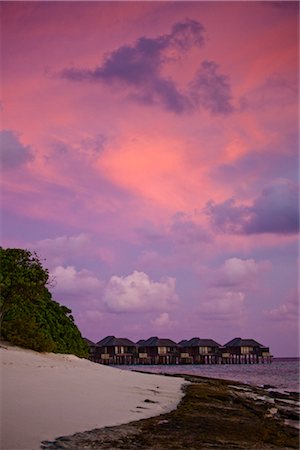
pixel 176 360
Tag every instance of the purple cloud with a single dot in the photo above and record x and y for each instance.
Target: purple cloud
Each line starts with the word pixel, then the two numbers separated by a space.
pixel 286 311
pixel 258 165
pixel 13 153
pixel 186 231
pixel 275 210
pixel 139 67
pixel 211 89
pixel 222 305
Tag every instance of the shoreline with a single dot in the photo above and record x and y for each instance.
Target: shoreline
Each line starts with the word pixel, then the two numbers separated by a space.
pixel 45 395
pixel 281 377
pixel 272 390
pixel 213 413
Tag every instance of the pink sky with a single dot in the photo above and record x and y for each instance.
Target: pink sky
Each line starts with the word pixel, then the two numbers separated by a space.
pixel 150 155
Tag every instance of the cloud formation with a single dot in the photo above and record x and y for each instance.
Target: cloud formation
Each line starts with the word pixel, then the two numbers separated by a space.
pixel 287 311
pixel 211 89
pixel 139 67
pixel 163 321
pixel 186 231
pixel 138 293
pixel 257 165
pixel 238 272
pixel 61 248
pixel 13 153
pixel 227 306
pixel 68 280
pixel 275 210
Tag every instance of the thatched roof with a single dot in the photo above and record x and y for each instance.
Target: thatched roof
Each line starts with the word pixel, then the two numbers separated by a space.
pixel 197 342
pixel 111 341
pixel 154 341
pixel 239 342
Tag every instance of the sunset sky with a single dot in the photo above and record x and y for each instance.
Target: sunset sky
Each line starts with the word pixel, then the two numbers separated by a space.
pixel 150 157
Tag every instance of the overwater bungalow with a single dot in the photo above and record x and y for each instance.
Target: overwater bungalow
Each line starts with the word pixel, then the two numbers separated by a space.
pixel 157 351
pixel 199 351
pixel 112 350
pixel 246 351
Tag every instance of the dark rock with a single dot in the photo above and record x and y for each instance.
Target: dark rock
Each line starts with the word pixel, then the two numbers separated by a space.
pixel 210 415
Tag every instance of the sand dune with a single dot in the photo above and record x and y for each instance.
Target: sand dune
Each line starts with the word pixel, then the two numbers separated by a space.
pixel 44 396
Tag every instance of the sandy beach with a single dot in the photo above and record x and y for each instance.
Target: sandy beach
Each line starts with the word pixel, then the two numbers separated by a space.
pixel 44 396
pixel 213 413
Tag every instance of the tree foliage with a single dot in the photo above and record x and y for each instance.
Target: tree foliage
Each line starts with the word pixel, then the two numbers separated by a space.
pixel 30 317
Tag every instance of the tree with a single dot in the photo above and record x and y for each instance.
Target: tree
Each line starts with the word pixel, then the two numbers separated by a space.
pixel 30 317
pixel 22 278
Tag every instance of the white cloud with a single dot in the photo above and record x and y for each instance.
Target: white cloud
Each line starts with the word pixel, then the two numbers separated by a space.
pixel 137 292
pixel 67 280
pixel 225 306
pixel 62 248
pixel 67 242
pixel 163 321
pixel 237 272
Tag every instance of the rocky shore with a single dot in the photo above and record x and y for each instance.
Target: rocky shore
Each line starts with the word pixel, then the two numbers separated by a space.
pixel 214 414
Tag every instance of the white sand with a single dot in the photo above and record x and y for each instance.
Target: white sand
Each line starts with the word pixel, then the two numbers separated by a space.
pixel 44 396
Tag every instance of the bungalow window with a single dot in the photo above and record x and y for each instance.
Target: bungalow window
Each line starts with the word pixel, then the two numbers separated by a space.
pixel 246 350
pixel 203 350
pixel 162 350
pixel 119 350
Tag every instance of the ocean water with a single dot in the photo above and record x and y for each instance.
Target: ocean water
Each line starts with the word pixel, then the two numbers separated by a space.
pixel 282 373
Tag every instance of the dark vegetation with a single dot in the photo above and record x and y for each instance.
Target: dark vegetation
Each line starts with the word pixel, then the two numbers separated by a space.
pixel 29 317
pixel 212 415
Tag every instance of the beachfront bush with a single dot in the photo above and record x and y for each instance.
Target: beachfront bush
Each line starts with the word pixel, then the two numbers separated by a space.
pixel 30 317
pixel 25 332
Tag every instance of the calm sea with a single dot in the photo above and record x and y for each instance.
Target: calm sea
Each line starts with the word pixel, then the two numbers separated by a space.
pixel 282 373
